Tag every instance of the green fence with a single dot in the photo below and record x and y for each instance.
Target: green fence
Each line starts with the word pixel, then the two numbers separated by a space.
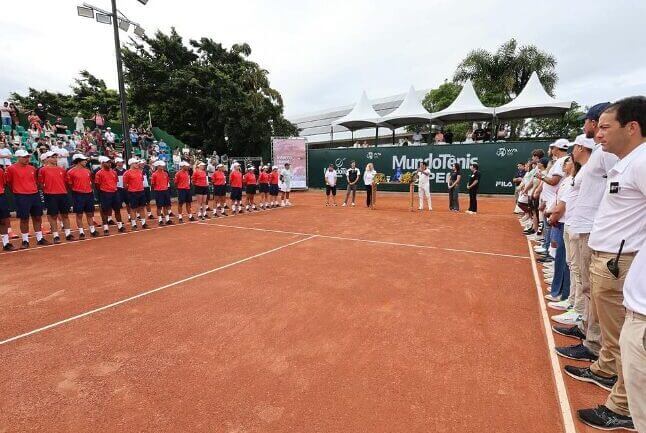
pixel 497 163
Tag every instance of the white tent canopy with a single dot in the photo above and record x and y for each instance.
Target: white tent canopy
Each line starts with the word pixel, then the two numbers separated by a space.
pixel 533 101
pixel 466 107
pixel 361 116
pixel 410 112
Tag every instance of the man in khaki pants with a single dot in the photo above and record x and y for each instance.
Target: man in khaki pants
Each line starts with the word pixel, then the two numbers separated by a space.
pixel 633 340
pixel 620 218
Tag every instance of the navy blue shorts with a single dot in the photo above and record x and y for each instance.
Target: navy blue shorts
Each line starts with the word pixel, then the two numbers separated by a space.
pixel 147 195
pixel 162 198
pixel 201 190
pixel 273 189
pixel 83 202
pixel 57 204
pixel 251 189
pixel 4 207
pixel 136 199
pixel 110 201
pixel 219 190
pixel 28 204
pixel 236 193
pixel 123 196
pixel 184 196
pixel 263 188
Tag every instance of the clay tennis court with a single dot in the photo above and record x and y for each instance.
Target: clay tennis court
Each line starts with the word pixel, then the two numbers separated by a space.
pixel 301 319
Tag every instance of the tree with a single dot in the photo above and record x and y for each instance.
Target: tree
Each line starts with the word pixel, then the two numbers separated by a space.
pixel 567 126
pixel 208 96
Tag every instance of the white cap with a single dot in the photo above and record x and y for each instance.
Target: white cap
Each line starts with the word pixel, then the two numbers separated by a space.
pixel 133 161
pixel 219 165
pixel 273 167
pixel 235 164
pixel 159 163
pixel 62 152
pixel 184 164
pixel 5 151
pixel 582 140
pixel 78 156
pixel 46 155
pixel 21 153
pixel 108 128
pixel 103 159
pixel 201 163
pixel 118 159
pixel 561 143
pixel 251 167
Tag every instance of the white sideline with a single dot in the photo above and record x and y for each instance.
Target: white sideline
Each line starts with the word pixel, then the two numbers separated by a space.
pixel 399 244
pixel 149 292
pixel 564 402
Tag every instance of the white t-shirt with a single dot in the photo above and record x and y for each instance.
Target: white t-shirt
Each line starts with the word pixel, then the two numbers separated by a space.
pixel 79 123
pixel 423 178
pixel 5 111
pixel 109 137
pixel 593 184
pixel 6 154
pixel 622 212
pixel 368 176
pixel 565 195
pixel 548 195
pixel 330 177
pixel 635 285
pixel 287 177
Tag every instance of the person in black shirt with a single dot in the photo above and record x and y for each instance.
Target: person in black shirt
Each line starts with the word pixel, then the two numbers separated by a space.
pixel 353 178
pixel 448 136
pixel 61 128
pixel 454 188
pixel 473 185
pixel 41 112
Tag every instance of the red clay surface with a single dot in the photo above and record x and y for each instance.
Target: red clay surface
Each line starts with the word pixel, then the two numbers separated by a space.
pixel 326 335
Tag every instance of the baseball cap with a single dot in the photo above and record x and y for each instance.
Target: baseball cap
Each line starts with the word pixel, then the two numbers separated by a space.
pixel 201 163
pixel 103 159
pixel 133 161
pixel 20 153
pixel 582 140
pixel 595 111
pixel 46 155
pixel 273 167
pixel 184 164
pixel 561 143
pixel 118 159
pixel 78 156
pixel 159 163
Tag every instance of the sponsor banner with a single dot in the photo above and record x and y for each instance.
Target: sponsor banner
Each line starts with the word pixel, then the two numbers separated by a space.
pixel 497 163
pixel 293 151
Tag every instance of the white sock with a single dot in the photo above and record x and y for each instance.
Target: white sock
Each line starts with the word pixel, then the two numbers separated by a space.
pixel 39 235
pixel 143 221
pixel 150 214
pixel 119 224
pixel 133 223
pixel 68 232
pixel 109 218
pixel 160 218
pixel 25 237
pixel 167 218
pixel 81 231
pixel 92 229
pixel 180 217
pixel 5 240
pixel 190 215
pixel 55 234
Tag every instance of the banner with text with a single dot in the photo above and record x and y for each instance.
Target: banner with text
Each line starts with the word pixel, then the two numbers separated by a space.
pixel 294 151
pixel 497 163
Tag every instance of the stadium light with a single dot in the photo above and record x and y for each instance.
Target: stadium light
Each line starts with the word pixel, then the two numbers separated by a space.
pixel 139 31
pixel 85 12
pixel 103 18
pixel 124 25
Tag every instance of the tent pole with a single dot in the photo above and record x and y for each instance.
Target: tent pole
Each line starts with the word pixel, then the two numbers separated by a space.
pixel 376 135
pixel 393 137
pixel 332 134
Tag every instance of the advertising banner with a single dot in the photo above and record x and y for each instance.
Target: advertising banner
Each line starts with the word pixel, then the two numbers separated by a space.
pixel 497 163
pixel 294 151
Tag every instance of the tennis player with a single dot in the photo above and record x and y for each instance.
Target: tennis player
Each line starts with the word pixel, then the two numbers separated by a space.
pixel 286 176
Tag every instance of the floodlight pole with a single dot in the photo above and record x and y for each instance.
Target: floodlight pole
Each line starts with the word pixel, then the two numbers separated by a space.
pixel 122 87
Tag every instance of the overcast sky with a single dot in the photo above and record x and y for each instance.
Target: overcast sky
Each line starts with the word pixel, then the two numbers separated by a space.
pixel 322 54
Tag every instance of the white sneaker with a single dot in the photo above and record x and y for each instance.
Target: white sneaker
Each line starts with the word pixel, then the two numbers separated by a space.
pixel 561 305
pixel 352 204
pixel 570 317
pixel 548 280
pixel 549 297
pixel 343 205
pixel 540 249
pixel 288 203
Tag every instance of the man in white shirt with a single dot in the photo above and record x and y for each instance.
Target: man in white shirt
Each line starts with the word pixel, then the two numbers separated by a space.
pixel 5 113
pixel 330 185
pixel 5 156
pixel 109 136
pixel 424 185
pixel 286 185
pixel 620 221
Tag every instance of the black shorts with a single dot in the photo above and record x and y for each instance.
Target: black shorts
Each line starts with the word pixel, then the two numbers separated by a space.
pixel 263 188
pixel 330 190
pixel 251 189
pixel 273 189
pixel 236 193
pixel 123 196
pixel 219 190
pixel 57 204
pixel 147 195
pixel 28 204
pixel 83 202
pixel 184 196
pixel 162 198
pixel 4 207
pixel 109 201
pixel 201 190
pixel 136 199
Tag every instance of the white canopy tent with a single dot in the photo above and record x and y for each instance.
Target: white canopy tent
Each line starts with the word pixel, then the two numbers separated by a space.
pixel 466 107
pixel 362 116
pixel 533 101
pixel 410 112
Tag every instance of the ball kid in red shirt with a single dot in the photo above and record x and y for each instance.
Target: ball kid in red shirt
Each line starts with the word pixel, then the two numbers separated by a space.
pixel 79 179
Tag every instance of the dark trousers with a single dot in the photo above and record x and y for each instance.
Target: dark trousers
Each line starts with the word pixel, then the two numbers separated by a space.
pixel 473 200
pixel 454 198
pixel 368 195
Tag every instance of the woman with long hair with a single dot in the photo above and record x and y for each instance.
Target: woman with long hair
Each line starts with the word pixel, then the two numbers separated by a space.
pixel 369 180
pixel 454 188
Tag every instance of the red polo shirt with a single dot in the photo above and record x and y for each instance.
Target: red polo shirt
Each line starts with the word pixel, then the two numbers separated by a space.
pixel 106 180
pixel 273 178
pixel 22 179
pixel 250 178
pixel 80 179
pixel 133 180
pixel 199 178
pixel 159 180
pixel 53 179
pixel 219 178
pixel 182 180
pixel 235 179
pixel 2 181
pixel 263 177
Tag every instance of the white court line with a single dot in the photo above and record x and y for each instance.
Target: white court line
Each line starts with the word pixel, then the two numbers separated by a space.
pixel 564 402
pixel 342 238
pixel 149 292
pixel 112 235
